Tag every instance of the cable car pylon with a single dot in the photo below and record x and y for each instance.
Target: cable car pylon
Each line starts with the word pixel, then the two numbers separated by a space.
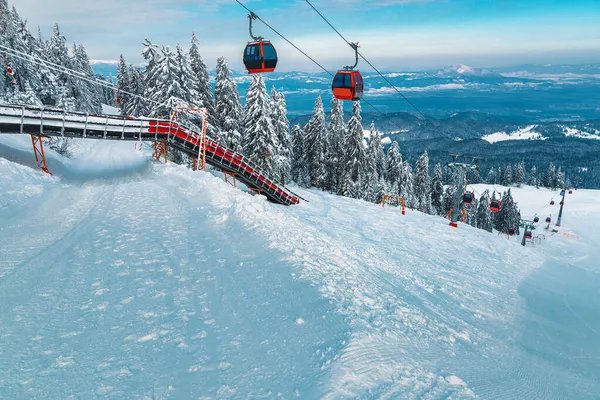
pixel 460 195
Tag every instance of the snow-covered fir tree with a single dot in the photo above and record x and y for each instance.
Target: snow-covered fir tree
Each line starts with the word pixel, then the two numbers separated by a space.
pixel 136 105
pixel 449 200
pixel 508 216
pixel 550 177
pixel 375 151
pixel 406 186
pixel 437 191
pixel 299 172
pixel 260 140
pixel 394 164
pixel 484 215
pixel 559 179
pixel 201 79
pixel 354 151
pixel 507 177
pixel 228 108
pixel 336 134
pixel 315 132
pixel 281 125
pixel 492 176
pixel 423 184
pixel 519 174
pixel 532 179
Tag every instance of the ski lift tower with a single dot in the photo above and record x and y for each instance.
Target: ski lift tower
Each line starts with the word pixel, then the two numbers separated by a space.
pixel 529 226
pixel 460 164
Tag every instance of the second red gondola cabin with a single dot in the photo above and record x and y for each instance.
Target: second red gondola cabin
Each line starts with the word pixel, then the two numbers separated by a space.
pixel 347 85
pixel 260 57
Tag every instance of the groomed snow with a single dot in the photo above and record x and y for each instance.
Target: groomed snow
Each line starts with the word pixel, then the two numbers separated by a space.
pixel 526 133
pixel 160 282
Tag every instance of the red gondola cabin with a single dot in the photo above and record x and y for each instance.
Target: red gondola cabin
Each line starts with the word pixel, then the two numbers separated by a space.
pixel 494 206
pixel 536 220
pixel 511 231
pixel 467 198
pixel 347 85
pixel 548 220
pixel 260 57
pixel 528 235
pixel 551 202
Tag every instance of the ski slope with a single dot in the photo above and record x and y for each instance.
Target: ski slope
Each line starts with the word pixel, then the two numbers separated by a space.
pixel 121 278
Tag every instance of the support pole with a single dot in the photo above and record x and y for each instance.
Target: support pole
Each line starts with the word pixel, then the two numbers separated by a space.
pixel 38 151
pixel 562 203
pixel 160 150
pixel 230 175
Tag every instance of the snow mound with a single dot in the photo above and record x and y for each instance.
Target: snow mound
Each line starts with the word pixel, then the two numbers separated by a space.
pixel 572 132
pixel 526 133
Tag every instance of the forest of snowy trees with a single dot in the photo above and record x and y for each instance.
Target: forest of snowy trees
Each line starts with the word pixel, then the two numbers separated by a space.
pixel 326 152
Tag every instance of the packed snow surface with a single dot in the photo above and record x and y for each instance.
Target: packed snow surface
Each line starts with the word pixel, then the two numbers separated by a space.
pixel 121 278
pixel 526 133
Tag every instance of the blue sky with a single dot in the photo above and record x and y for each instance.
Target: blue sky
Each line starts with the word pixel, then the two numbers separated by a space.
pixel 393 34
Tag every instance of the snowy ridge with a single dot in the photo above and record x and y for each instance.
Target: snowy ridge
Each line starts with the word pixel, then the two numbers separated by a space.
pixel 572 132
pixel 526 133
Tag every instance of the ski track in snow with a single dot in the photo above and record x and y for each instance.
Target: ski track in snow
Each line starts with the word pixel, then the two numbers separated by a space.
pixel 159 282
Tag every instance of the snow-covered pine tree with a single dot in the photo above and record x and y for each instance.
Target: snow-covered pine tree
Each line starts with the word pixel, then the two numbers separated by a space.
pixel 300 173
pixel 123 85
pixel 136 105
pixel 423 184
pixel 187 78
pixel 260 140
pixel 278 109
pixel 152 55
pixel 519 174
pixel 472 211
pixel 354 151
pixel 449 199
pixel 394 164
pixel 532 179
pixel 228 107
pixel 315 134
pixel 406 186
pixel 89 93
pixel 473 176
pixel 484 215
pixel 492 177
pixel 507 178
pixel 549 178
pixel 201 79
pixel 167 91
pixel 335 147
pixel 559 179
pixel 437 191
pixel 508 216
pixel 375 151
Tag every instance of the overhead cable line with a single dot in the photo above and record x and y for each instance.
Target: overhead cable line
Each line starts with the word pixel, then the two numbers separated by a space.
pixel 370 64
pixel 68 71
pixel 313 60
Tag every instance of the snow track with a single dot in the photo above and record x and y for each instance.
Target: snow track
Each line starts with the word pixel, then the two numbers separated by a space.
pixel 161 282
